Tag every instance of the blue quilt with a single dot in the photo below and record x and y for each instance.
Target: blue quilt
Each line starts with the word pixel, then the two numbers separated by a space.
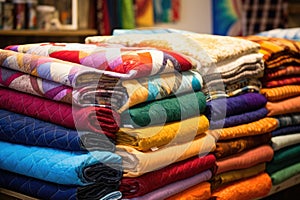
pixel 60 166
pixel 18 128
pixel 46 190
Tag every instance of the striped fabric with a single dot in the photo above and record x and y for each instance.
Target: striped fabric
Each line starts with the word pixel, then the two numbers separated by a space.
pixel 288 33
pixel 280 93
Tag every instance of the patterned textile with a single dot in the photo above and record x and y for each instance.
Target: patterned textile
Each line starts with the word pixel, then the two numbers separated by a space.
pixel 273 73
pixel 277 52
pixel 282 81
pixel 127 94
pixel 250 188
pixel 234 146
pixel 245 159
pixel 157 136
pixel 136 163
pixel 264 125
pixel 281 93
pixel 134 62
pixel 284 158
pixel 17 128
pixel 178 186
pixel 46 190
pixel 138 186
pixel 234 175
pixel 201 191
pixel 287 33
pixel 282 141
pixel 264 15
pixel 165 110
pixel 95 119
pixel 61 167
pixel 198 46
pixel 285 173
pixel 51 69
pixel 291 105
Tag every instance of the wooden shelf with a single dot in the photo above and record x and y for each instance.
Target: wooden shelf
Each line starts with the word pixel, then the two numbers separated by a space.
pixel 51 33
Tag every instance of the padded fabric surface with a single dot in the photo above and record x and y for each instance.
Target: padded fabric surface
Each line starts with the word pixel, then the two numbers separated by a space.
pixel 95 119
pixel 61 167
pixel 134 62
pixel 50 191
pixel 17 128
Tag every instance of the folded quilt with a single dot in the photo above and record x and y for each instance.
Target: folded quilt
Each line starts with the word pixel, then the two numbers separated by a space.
pixel 96 119
pixel 282 141
pixel 235 175
pixel 248 85
pixel 134 62
pixel 61 167
pixel 138 186
pixel 287 33
pixel 178 186
pixel 281 92
pixel 230 147
pixel 277 52
pixel 250 188
pixel 262 126
pixel 236 105
pixel 198 46
pixel 164 110
pixel 245 159
pixel 157 136
pixel 136 163
pixel 201 191
pixel 240 119
pixel 20 129
pixel 273 73
pixel 51 69
pixel 286 130
pixel 120 97
pixel 285 173
pixel 282 81
pixel 286 106
pixel 46 190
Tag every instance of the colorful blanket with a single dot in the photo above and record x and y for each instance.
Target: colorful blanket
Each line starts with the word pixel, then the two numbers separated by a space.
pixel 245 159
pixel 46 190
pixel 96 119
pixel 157 136
pixel 235 175
pixel 164 110
pixel 134 62
pixel 286 106
pixel 136 163
pixel 120 97
pixel 281 93
pixel 178 186
pixel 139 186
pixel 20 129
pixel 231 147
pixel 198 46
pixel 288 119
pixel 61 167
pixel 262 126
pixel 277 52
pixel 51 69
pixel 250 188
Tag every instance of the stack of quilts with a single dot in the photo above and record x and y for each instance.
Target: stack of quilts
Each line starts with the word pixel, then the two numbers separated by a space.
pixel 282 90
pixel 173 125
pixel 43 154
pixel 230 68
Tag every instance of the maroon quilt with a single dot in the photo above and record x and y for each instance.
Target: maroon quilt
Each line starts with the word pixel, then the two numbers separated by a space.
pixel 96 119
pixel 138 186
